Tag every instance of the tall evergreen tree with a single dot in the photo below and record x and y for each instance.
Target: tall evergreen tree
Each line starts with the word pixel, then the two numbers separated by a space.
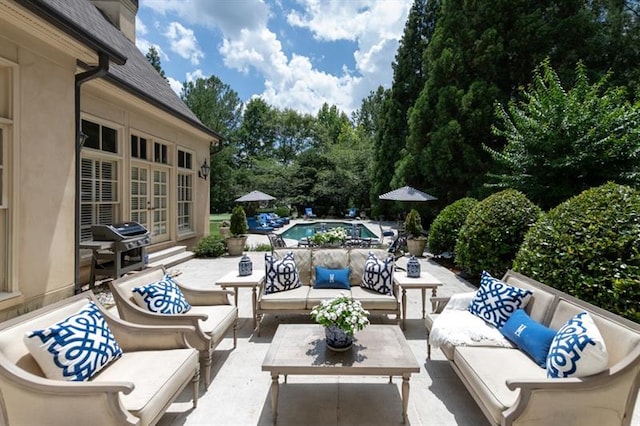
pixel 408 80
pixel 154 59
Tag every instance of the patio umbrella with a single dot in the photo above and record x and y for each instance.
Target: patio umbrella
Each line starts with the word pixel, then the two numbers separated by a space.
pixel 255 196
pixel 407 193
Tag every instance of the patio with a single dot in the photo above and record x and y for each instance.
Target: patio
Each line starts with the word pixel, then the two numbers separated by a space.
pixel 240 392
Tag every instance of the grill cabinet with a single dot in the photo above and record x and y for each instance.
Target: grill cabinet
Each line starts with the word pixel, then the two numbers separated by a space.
pixel 117 249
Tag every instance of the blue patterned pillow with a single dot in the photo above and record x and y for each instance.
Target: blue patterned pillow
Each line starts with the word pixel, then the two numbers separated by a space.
pixel 496 301
pixel 280 274
pixel 377 274
pixel 578 349
pixel 76 348
pixel 332 278
pixel 162 297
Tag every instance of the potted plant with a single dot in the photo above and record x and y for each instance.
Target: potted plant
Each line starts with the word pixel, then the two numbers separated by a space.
pixel 334 237
pixel 416 242
pixel 238 228
pixel 341 317
pixel 224 229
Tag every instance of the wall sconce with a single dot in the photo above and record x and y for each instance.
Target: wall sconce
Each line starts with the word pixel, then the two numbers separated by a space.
pixel 82 136
pixel 203 173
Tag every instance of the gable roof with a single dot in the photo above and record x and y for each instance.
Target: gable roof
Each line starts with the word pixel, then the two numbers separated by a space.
pixel 129 68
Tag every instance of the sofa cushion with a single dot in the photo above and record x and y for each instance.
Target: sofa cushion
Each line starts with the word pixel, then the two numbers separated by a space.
pixel 157 376
pixel 378 274
pixel 162 297
pixel 280 274
pixel 577 350
pixel 219 319
pixel 332 278
pixel 317 295
pixel 76 348
pixel 372 300
pixel 487 369
pixel 530 336
pixel 295 299
pixel 496 301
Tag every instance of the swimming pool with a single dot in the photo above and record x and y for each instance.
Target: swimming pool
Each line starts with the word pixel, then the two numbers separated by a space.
pixel 304 230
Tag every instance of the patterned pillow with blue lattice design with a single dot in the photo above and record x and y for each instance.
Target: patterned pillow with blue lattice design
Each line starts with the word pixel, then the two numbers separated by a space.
pixel 496 301
pixel 377 274
pixel 280 274
pixel 578 349
pixel 74 349
pixel 162 297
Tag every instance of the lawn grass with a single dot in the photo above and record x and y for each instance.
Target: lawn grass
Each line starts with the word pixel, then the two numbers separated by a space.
pixel 215 220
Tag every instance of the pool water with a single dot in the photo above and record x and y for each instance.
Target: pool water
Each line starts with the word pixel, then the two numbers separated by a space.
pixel 304 230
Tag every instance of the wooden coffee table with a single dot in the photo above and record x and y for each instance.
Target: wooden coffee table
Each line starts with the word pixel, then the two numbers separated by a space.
pixel 378 350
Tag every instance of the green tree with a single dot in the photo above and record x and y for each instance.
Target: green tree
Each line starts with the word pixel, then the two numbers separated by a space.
pixel 219 108
pixel 257 137
pixel 561 142
pixel 154 59
pixel 408 80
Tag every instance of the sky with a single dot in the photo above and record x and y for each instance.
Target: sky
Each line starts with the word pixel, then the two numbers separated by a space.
pixel 294 54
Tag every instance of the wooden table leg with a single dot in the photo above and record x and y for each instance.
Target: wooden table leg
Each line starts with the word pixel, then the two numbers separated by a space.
pixel 404 308
pixel 254 301
pixel 235 296
pixel 405 397
pixel 424 299
pixel 274 396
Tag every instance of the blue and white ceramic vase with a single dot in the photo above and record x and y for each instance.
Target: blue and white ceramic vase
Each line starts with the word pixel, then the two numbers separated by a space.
pixel 413 267
pixel 245 267
pixel 337 339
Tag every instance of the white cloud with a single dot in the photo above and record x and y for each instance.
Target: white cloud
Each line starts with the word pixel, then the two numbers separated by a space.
pixel 176 85
pixel 191 76
pixel 141 28
pixel 183 41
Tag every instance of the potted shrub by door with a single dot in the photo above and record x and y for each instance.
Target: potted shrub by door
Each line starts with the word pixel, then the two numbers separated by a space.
pixel 416 242
pixel 238 228
pixel 224 229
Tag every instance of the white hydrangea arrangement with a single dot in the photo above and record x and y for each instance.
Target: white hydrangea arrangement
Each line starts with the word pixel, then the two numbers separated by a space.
pixel 343 312
pixel 333 235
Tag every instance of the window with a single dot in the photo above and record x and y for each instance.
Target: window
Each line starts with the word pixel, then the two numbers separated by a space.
pixel 160 153
pixel 8 72
pixel 99 194
pixel 100 137
pixel 138 147
pixel 185 192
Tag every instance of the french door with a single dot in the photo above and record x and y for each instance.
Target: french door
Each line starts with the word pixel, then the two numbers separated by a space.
pixel 150 200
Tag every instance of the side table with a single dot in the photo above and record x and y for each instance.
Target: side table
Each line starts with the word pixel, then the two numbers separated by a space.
pixel 233 280
pixel 423 282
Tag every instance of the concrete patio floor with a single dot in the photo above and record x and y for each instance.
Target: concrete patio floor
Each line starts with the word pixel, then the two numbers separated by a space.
pixel 239 393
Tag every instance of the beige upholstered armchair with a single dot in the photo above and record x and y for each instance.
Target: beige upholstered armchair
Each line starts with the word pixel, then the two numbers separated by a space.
pixel 134 388
pixel 211 313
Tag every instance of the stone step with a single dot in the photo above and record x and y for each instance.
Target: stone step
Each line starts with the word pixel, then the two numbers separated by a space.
pixel 170 257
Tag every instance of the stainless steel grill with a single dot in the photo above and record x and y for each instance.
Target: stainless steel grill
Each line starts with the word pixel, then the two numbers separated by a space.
pixel 117 249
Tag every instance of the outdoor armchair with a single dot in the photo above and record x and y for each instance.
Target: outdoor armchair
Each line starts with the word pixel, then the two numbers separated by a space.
pixel 211 313
pixel 308 212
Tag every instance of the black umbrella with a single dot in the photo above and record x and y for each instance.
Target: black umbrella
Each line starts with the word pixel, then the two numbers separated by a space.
pixel 407 193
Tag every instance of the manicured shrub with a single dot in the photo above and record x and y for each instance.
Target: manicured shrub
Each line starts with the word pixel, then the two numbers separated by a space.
pixel 210 246
pixel 493 232
pixel 589 247
pixel 413 224
pixel 444 229
pixel 283 211
pixel 239 224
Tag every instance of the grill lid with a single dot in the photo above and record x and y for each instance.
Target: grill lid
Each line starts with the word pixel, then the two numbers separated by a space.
pixel 118 231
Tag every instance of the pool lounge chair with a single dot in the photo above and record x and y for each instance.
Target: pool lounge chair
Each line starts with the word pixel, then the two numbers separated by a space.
pixel 351 214
pixel 308 212
pixel 256 227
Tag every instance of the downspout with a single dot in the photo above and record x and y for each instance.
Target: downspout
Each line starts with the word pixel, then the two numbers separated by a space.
pixel 83 77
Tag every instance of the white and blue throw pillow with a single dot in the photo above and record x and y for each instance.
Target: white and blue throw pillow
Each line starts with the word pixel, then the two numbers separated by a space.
pixel 332 278
pixel 530 336
pixel 74 349
pixel 377 274
pixel 162 297
pixel 496 301
pixel 280 274
pixel 578 349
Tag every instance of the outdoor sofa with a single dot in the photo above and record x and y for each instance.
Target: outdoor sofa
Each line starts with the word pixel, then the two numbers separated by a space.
pixel 301 299
pixel 513 389
pixel 211 313
pixel 135 388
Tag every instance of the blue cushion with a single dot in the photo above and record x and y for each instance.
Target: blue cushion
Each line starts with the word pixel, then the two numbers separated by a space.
pixel 162 297
pixel 377 274
pixel 280 274
pixel 332 278
pixel 76 348
pixel 530 336
pixel 496 301
pixel 577 350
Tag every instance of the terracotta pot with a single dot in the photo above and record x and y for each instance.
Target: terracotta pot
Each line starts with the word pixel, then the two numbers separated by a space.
pixel 224 231
pixel 235 245
pixel 416 246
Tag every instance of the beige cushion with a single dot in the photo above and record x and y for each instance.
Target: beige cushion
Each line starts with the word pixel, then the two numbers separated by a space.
pixel 220 319
pixel 328 258
pixel 539 303
pixel 372 300
pixel 156 375
pixel 487 370
pixel 317 295
pixel 295 299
